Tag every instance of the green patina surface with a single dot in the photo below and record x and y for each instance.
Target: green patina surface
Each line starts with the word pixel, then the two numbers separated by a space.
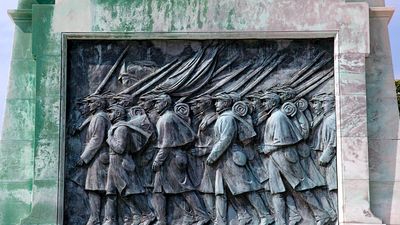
pixel 29 146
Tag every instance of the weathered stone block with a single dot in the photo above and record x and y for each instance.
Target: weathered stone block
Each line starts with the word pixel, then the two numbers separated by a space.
pixel 383 117
pixel 22 48
pixel 48 117
pixel 16 159
pixel 384 201
pixel 48 77
pixel 44 208
pixel 44 40
pixel 383 158
pixel 22 84
pixel 15 201
pixel 356 202
pixel 47 159
pixel 353 117
pixel 19 121
pixel 354 160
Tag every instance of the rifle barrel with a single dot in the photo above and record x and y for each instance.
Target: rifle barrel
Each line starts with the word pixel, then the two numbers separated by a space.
pixel 304 69
pixel 150 76
pixel 262 76
pixel 110 72
pixel 312 87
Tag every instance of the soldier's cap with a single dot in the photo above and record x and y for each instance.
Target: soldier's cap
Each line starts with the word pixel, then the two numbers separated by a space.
pixel 81 101
pixel 116 107
pixel 164 97
pixel 270 95
pixel 318 97
pixel 92 98
pixel 201 98
pixel 227 96
pixel 147 97
pixel 125 97
pixel 257 94
pixel 329 97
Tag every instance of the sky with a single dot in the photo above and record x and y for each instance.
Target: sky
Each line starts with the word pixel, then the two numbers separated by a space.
pixel 7 31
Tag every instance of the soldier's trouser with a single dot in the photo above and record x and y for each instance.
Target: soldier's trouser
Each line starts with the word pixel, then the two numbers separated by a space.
pixel 326 204
pixel 191 198
pixel 239 203
pixel 256 201
pixel 132 201
pixel 160 206
pixel 292 209
pixel 95 205
pixel 314 205
pixel 280 208
pixel 195 204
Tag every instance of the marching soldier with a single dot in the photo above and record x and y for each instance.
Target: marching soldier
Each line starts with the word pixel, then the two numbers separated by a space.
pixel 125 139
pixel 170 163
pixel 228 156
pixel 281 137
pixel 95 156
pixel 205 114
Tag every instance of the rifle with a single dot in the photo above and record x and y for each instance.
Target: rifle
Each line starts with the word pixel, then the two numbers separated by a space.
pixel 313 80
pixel 145 79
pixel 152 82
pixel 105 80
pixel 312 87
pixel 262 76
pixel 304 69
pixel 250 75
pixel 309 73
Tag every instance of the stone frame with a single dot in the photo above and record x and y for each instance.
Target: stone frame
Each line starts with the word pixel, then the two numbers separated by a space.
pixel 350 101
pixel 33 125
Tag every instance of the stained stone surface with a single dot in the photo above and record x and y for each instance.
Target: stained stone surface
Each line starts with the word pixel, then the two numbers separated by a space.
pixel 31 136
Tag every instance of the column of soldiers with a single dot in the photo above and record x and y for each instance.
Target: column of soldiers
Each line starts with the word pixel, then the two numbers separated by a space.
pixel 243 151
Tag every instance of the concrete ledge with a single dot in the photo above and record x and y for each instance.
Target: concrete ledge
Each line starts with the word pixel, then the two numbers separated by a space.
pixel 22 19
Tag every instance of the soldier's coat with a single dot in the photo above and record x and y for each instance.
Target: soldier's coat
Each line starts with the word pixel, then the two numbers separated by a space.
pixel 280 141
pixel 173 134
pixel 95 153
pixel 237 178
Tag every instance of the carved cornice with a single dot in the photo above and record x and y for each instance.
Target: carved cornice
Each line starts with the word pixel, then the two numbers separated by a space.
pixel 386 12
pixel 22 19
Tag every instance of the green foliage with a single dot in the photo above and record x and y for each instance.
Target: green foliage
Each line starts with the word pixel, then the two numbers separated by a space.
pixel 397 83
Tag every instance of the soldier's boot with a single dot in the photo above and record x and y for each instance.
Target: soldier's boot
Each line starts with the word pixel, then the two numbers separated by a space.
pixel 239 204
pixel 201 216
pixel 93 221
pixel 280 209
pixel 260 207
pixel 148 218
pixel 131 213
pixel 94 204
pixel 221 208
pixel 110 211
pixel 160 207
pixel 321 216
pixel 139 201
pixel 294 215
pixel 130 219
pixel 326 204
